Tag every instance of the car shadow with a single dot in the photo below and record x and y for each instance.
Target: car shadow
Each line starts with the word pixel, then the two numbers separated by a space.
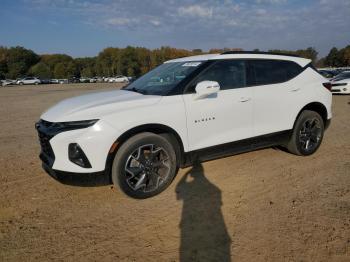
pixel 204 236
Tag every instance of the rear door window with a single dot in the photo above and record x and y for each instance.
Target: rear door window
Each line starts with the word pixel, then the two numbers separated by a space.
pixel 266 72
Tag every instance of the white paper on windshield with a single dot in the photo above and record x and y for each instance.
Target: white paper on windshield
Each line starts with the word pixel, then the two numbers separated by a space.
pixel 194 64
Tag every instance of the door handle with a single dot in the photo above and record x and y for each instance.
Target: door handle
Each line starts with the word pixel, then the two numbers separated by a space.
pixel 295 89
pixel 244 99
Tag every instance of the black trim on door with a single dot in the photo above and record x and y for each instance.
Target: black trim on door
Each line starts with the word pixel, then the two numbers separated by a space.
pixel 237 147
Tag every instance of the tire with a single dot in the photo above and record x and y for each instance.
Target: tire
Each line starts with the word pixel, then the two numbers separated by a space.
pixel 21 83
pixel 144 166
pixel 307 134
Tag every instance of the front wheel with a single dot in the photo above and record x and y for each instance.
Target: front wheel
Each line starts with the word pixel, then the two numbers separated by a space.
pixel 307 134
pixel 144 165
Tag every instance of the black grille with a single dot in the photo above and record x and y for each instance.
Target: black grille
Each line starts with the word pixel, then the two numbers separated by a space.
pixel 47 154
pixel 45 144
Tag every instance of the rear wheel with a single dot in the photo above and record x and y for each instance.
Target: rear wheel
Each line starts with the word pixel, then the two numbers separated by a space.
pixel 144 165
pixel 307 134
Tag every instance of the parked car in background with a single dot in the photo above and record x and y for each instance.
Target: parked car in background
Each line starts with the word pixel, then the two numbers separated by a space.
pixel 118 79
pixel 341 83
pixel 341 86
pixel 74 80
pixel 54 81
pixel 63 81
pixel 93 80
pixel 327 73
pixel 84 80
pixel 29 81
pixel 343 75
pixel 7 82
pixel 45 81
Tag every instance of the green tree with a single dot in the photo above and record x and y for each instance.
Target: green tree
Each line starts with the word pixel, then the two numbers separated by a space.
pixel 108 62
pixel 129 61
pixel 347 56
pixel 86 72
pixel 309 53
pixel 72 70
pixel 86 66
pixel 19 60
pixel 41 70
pixel 3 63
pixel 54 59
pixel 16 70
pixel 60 71
pixel 332 59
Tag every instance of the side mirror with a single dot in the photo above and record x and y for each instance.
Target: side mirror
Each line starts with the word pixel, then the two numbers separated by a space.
pixel 206 88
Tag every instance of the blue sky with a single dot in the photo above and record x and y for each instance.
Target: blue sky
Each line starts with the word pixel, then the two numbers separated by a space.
pixel 83 28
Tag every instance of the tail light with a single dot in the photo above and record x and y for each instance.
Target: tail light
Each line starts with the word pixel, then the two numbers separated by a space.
pixel 328 85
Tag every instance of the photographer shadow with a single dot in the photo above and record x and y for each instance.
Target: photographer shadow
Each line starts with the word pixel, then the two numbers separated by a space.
pixel 204 236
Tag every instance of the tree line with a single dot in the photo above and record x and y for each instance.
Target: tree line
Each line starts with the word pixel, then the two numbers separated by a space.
pixel 16 62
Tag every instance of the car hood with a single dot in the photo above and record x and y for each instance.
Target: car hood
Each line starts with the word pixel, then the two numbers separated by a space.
pixel 97 105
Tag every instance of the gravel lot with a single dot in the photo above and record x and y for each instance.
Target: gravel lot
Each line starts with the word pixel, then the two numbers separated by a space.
pixel 266 205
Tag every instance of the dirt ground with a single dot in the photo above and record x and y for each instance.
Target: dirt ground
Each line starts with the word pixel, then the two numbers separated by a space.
pixel 266 205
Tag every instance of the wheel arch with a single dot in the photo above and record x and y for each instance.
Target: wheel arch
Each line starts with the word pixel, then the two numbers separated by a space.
pixel 316 107
pixel 169 133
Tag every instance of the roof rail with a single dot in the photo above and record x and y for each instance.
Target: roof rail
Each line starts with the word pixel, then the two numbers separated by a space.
pixel 257 53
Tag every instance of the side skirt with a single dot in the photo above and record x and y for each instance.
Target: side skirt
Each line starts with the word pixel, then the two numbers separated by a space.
pixel 234 148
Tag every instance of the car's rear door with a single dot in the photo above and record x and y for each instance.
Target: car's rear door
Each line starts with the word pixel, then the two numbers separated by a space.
pixel 224 117
pixel 275 94
pixel 29 80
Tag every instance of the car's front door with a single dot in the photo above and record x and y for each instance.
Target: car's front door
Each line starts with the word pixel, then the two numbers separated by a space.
pixel 222 117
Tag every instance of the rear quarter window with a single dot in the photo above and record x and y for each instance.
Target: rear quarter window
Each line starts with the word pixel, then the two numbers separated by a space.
pixel 266 72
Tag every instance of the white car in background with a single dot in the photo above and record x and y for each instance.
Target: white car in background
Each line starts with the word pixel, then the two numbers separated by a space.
pixel 63 81
pixel 7 82
pixel 93 80
pixel 84 80
pixel 341 83
pixel 119 79
pixel 341 86
pixel 29 81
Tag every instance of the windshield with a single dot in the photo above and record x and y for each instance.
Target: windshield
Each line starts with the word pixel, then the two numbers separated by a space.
pixel 163 79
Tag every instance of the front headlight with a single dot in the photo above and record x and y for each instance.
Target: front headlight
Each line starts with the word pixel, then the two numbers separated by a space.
pixel 74 124
pixel 54 128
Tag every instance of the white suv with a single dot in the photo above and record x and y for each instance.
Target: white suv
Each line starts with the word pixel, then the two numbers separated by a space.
pixel 118 79
pixel 187 110
pixel 29 81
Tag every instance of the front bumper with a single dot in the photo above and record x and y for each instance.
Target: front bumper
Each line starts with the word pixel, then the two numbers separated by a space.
pixel 95 141
pixel 57 174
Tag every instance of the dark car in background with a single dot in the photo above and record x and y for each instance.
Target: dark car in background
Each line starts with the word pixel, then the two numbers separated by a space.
pixel 328 73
